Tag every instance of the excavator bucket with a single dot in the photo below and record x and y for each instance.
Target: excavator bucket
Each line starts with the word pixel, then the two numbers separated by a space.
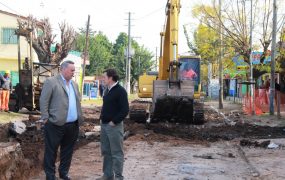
pixel 173 103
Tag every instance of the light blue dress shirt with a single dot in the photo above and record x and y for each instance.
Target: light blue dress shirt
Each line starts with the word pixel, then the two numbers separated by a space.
pixel 72 108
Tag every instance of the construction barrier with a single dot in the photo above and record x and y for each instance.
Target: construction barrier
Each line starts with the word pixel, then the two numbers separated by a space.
pixel 262 101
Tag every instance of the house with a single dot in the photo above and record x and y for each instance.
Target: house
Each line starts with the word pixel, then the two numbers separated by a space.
pixel 9 45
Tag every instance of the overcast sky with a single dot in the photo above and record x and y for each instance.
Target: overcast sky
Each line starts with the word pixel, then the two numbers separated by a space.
pixel 109 16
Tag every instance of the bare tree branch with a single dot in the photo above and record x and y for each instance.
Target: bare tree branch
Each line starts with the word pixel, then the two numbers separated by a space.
pixel 43 38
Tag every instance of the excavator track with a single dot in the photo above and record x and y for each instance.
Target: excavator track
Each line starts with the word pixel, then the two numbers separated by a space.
pixel 171 109
pixel 198 112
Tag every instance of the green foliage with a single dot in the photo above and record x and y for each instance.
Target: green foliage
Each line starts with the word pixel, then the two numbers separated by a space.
pixel 140 62
pixel 207 43
pixel 119 60
pixel 100 52
pixel 103 54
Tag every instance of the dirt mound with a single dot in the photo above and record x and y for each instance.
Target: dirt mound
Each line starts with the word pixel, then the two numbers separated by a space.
pixel 91 114
pixel 224 132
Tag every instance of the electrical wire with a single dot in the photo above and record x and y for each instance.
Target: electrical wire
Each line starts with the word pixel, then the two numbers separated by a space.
pixel 150 13
pixel 9 7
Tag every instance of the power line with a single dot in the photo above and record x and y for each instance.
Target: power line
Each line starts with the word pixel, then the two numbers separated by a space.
pixel 8 7
pixel 150 13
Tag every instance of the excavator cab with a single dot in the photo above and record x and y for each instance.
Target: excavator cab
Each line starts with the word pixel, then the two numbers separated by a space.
pixel 190 70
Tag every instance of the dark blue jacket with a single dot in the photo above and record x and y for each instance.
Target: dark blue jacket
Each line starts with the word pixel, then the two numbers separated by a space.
pixel 115 105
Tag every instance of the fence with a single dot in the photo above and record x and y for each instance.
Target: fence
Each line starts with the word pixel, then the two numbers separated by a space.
pixel 262 101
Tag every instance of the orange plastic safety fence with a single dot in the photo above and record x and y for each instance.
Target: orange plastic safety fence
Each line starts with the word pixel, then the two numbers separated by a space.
pixel 261 102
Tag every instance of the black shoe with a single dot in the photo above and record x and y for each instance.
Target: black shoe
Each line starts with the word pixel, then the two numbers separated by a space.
pixel 65 177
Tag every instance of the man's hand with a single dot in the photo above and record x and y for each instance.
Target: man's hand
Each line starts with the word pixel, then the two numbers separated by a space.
pixel 111 124
pixel 45 121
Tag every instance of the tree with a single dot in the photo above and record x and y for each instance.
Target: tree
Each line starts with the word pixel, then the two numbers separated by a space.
pixel 280 59
pixel 235 22
pixel 206 44
pixel 140 62
pixel 99 52
pixel 43 38
pixel 119 60
pixel 103 54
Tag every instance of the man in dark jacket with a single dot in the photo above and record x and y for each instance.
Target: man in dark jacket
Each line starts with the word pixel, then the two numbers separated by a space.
pixel 115 109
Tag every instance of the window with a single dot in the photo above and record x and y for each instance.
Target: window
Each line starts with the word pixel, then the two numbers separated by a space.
pixel 9 36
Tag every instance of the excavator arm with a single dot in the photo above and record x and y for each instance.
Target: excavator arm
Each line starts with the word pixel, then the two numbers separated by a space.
pixel 169 46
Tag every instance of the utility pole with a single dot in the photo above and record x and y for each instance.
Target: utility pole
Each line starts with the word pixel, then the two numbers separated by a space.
pixel 85 54
pixel 273 54
pixel 220 59
pixel 128 69
pixel 32 67
pixel 139 65
pixel 19 56
pixel 252 94
pixel 156 65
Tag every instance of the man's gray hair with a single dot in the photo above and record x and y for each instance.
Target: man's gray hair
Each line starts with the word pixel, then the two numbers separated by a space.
pixel 64 64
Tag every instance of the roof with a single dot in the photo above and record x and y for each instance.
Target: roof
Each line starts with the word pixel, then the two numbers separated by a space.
pixel 12 14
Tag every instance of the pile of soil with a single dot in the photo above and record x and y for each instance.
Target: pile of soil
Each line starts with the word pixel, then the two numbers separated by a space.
pixel 224 132
pixel 214 129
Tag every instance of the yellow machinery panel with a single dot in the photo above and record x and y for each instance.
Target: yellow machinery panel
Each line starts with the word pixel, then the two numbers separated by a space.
pixel 145 85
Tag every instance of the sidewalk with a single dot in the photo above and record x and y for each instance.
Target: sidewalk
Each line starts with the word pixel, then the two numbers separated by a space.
pixel 260 120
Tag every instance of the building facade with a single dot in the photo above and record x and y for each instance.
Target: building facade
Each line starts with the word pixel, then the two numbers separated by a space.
pixel 9 45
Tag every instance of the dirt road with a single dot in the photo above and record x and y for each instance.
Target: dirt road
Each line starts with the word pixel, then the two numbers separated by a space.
pixel 168 151
pixel 178 159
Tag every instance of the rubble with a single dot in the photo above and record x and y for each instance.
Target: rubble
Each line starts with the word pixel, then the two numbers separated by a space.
pixel 204 156
pixel 272 145
pixel 92 135
pixel 250 143
pixel 17 127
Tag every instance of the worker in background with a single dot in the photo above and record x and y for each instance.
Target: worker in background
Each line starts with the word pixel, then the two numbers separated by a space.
pixel 114 110
pixel 2 80
pixel 5 95
pixel 62 115
pixel 267 84
pixel 101 89
pixel 277 85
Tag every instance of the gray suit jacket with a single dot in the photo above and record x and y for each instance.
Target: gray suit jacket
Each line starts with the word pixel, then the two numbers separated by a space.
pixel 54 101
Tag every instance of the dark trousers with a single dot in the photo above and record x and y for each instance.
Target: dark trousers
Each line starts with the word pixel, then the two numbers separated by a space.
pixel 64 136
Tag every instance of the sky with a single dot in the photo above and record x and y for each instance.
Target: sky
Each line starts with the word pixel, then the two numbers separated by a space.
pixel 110 16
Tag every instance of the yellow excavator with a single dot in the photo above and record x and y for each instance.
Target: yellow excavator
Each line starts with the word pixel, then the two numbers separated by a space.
pixel 175 90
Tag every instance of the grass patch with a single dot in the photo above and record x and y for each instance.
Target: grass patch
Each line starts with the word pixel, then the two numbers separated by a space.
pixel 8 117
pixel 99 101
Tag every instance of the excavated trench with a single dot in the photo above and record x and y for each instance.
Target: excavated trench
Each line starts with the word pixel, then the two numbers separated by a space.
pixel 21 155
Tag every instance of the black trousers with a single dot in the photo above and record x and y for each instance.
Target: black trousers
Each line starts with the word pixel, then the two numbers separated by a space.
pixel 64 136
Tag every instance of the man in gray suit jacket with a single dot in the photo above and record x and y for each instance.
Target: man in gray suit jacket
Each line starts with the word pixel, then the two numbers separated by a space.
pixel 61 112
